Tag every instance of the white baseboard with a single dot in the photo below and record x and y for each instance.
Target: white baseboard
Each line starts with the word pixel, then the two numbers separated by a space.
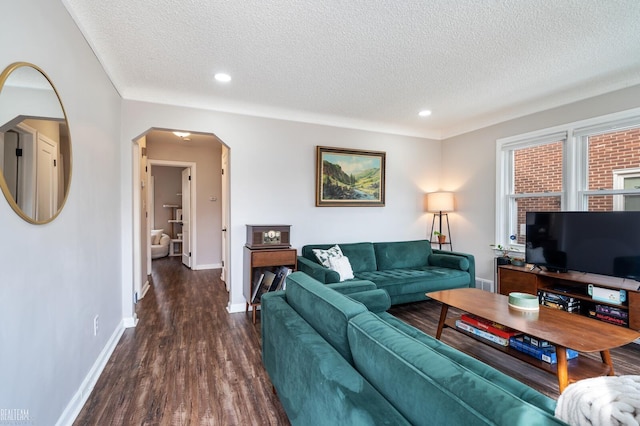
pixel 130 322
pixel 236 307
pixel 77 402
pixel 207 266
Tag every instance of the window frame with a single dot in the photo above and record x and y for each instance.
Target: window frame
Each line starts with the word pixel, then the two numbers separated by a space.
pixel 575 193
pixel 619 177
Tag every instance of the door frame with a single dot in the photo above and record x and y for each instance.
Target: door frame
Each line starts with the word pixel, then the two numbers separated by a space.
pixel 192 219
pixel 138 222
pixel 226 227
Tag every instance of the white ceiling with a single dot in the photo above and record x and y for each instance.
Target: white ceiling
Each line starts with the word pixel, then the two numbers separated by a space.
pixel 364 63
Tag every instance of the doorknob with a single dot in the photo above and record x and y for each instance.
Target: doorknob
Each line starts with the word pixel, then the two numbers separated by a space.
pixel 224 229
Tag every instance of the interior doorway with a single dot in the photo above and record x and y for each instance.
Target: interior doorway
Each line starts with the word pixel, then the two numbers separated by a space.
pixel 202 155
pixel 170 195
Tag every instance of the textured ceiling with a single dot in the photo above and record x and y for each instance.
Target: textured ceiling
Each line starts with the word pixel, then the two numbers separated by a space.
pixel 367 64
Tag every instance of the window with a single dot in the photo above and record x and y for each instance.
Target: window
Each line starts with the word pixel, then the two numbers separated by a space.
pixel 613 168
pixel 626 179
pixel 593 165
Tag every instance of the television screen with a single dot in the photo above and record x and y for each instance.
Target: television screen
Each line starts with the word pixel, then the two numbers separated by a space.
pixel 606 243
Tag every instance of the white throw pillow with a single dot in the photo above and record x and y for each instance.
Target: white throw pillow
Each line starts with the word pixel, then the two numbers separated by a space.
pixel 324 255
pixel 156 234
pixel 342 266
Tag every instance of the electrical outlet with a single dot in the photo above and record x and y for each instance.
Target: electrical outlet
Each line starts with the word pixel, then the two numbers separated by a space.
pixel 95 325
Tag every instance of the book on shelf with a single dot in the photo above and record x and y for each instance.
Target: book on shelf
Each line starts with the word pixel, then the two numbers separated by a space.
pixel 611 319
pixel 257 283
pixel 489 326
pixel 534 341
pixel 546 354
pixel 282 285
pixel 612 311
pixel 558 301
pixel 276 280
pixel 281 274
pixel 481 333
pixel 267 281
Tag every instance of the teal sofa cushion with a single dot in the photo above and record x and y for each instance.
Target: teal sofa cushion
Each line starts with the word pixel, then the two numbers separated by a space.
pixel 315 384
pixel 402 254
pixel 417 280
pixel 361 255
pixel 375 300
pixel 326 310
pixel 449 261
pixel 510 384
pixel 414 372
pixel 352 286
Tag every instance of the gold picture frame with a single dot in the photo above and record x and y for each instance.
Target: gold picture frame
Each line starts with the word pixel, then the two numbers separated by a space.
pixel 349 177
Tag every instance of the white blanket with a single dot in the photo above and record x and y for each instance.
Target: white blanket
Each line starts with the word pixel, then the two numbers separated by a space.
pixel 609 400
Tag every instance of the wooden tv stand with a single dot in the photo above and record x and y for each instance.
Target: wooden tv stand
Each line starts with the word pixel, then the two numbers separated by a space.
pixel 574 284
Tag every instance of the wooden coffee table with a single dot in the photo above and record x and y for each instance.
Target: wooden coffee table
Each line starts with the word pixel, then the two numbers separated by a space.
pixel 562 329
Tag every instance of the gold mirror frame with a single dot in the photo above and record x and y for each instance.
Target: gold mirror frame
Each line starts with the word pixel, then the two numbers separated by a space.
pixel 34 114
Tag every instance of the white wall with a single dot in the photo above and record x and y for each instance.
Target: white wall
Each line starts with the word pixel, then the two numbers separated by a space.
pixel 272 172
pixel 55 278
pixel 470 169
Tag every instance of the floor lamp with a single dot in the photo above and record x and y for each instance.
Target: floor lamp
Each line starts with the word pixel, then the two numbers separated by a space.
pixel 440 203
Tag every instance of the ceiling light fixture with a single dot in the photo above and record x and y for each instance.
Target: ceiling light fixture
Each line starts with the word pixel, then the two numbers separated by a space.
pixel 424 113
pixel 181 134
pixel 222 77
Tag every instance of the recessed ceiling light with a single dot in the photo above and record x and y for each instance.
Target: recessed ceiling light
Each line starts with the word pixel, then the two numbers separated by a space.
pixel 424 113
pixel 181 134
pixel 222 77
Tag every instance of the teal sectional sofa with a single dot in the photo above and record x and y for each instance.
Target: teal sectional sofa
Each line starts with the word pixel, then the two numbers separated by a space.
pixel 333 361
pixel 405 269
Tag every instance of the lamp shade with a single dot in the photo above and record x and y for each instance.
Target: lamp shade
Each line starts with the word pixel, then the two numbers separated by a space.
pixel 440 202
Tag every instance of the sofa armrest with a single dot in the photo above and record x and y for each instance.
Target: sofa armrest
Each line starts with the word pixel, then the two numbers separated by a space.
pixel 315 384
pixel 376 301
pixel 317 271
pixel 353 286
pixel 449 259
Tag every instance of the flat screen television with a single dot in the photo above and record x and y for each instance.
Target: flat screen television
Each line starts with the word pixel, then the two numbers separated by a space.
pixel 606 243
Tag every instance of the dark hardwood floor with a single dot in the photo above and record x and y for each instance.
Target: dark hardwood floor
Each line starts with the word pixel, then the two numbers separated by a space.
pixel 190 362
pixel 425 316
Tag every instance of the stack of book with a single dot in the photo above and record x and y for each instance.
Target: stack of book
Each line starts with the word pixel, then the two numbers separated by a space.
pixel 269 280
pixel 610 314
pixel 559 301
pixel 538 349
pixel 489 330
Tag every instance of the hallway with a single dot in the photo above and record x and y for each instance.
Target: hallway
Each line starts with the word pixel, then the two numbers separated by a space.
pixel 188 361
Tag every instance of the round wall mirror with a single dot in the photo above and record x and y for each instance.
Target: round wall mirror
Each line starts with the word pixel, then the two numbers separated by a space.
pixel 35 144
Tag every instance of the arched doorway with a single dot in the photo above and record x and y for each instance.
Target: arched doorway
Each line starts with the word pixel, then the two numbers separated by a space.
pixel 202 153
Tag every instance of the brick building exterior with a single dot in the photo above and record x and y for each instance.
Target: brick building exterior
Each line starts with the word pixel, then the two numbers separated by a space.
pixel 539 169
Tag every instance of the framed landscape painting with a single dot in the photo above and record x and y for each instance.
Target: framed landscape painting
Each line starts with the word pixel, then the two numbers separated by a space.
pixel 349 177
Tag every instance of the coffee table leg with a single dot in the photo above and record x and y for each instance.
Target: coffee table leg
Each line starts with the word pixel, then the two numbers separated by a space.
pixel 606 358
pixel 443 316
pixel 563 374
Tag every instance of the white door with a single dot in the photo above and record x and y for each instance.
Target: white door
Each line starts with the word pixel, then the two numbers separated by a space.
pixel 20 170
pixel 186 217
pixel 225 216
pixel 46 178
pixel 10 164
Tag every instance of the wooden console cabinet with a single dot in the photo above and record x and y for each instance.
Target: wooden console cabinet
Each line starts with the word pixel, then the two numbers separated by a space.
pixel 573 284
pixel 264 259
